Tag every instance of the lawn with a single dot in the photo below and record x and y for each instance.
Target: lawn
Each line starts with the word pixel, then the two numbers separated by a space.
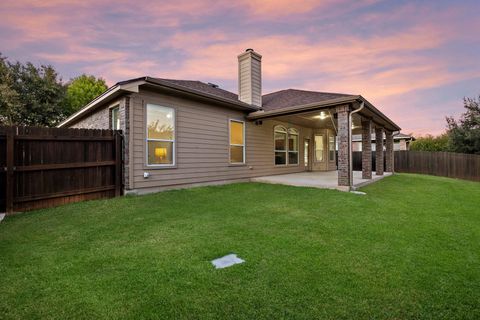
pixel 409 249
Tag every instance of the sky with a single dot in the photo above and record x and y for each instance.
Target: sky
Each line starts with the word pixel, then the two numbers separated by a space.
pixel 414 60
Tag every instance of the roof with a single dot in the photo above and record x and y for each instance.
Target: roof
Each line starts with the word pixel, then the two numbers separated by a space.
pixel 398 136
pixel 275 102
pixel 294 97
pixel 203 87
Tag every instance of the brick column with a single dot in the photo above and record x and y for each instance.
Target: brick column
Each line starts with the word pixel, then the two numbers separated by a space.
pixel 344 173
pixel 125 126
pixel 379 151
pixel 367 149
pixel 389 151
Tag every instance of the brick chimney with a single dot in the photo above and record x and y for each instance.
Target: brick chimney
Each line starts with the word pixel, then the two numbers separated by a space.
pixel 250 78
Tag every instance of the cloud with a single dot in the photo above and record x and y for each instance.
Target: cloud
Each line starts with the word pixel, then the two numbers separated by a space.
pixel 386 51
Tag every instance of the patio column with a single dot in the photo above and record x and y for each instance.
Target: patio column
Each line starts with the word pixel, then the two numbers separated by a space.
pixel 389 151
pixel 379 151
pixel 366 149
pixel 344 148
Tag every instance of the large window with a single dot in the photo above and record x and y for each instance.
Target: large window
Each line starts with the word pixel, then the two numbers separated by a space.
pixel 319 147
pixel 115 118
pixel 160 135
pixel 286 145
pixel 237 142
pixel 331 147
pixel 292 146
pixel 280 140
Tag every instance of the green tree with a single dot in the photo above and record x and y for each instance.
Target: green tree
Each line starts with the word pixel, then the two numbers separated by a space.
pixel 431 143
pixel 29 95
pixel 83 89
pixel 8 96
pixel 464 134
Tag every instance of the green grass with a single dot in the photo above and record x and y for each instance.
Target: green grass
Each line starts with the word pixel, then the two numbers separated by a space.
pixel 409 249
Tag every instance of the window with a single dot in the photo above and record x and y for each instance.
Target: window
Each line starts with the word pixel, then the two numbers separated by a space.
pixel 280 141
pixel 319 148
pixel 331 147
pixel 237 142
pixel 115 118
pixel 160 135
pixel 292 146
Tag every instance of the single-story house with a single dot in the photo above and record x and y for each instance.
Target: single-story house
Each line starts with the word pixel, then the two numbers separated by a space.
pixel 401 142
pixel 180 133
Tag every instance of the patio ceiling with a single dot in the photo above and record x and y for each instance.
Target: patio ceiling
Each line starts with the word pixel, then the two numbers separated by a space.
pixel 323 119
pixel 310 115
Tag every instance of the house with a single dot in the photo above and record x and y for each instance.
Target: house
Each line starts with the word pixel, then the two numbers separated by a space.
pixel 180 133
pixel 401 142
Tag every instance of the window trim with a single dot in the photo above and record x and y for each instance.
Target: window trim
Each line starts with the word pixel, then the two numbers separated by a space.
pixel 116 105
pixel 315 147
pixel 286 145
pixel 296 133
pixel 330 135
pixel 174 141
pixel 230 120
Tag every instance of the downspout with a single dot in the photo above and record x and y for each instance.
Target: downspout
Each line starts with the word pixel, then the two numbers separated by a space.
pixel 350 157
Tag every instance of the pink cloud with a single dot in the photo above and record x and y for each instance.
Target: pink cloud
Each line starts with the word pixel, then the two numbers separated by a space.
pixel 118 41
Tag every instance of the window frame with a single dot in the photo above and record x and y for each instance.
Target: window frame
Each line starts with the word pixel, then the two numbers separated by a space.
pixel 286 145
pixel 296 133
pixel 116 106
pixel 315 146
pixel 173 141
pixel 331 151
pixel 236 145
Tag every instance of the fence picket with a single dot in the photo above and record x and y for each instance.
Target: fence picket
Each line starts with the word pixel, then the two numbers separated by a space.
pixel 44 167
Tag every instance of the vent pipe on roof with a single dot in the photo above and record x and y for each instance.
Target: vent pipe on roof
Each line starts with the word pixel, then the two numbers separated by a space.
pixel 250 78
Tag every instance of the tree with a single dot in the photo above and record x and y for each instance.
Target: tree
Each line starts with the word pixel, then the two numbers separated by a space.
pixel 83 89
pixel 8 96
pixel 29 95
pixel 464 134
pixel 431 143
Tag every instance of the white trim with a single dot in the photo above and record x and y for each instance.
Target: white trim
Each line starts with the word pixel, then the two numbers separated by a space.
pixel 323 135
pixel 174 141
pixel 230 120
pixel 288 131
pixel 283 130
pixel 115 105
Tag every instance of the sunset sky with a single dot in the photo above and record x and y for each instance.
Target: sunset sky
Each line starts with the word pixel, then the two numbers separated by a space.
pixel 415 60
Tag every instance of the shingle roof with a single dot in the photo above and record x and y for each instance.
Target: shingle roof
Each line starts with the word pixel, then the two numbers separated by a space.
pixel 203 87
pixel 272 101
pixel 293 97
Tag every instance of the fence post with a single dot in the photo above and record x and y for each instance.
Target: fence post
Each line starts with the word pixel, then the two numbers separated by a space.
pixel 118 164
pixel 10 132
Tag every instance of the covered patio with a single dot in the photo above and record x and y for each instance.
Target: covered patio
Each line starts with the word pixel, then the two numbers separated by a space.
pixel 327 127
pixel 319 179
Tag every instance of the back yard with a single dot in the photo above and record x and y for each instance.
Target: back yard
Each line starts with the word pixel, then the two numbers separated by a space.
pixel 409 249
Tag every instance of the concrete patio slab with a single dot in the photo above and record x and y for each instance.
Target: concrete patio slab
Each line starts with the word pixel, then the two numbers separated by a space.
pixel 319 179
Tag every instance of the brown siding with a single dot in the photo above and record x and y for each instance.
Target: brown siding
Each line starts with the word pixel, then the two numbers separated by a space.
pixel 202 145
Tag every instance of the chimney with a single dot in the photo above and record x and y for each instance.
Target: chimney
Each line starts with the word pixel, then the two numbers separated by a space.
pixel 250 78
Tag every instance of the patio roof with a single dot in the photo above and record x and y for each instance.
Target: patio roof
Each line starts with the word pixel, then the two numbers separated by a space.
pixel 369 112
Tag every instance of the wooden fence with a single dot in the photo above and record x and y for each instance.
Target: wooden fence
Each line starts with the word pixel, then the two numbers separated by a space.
pixel 45 167
pixel 357 161
pixel 445 164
